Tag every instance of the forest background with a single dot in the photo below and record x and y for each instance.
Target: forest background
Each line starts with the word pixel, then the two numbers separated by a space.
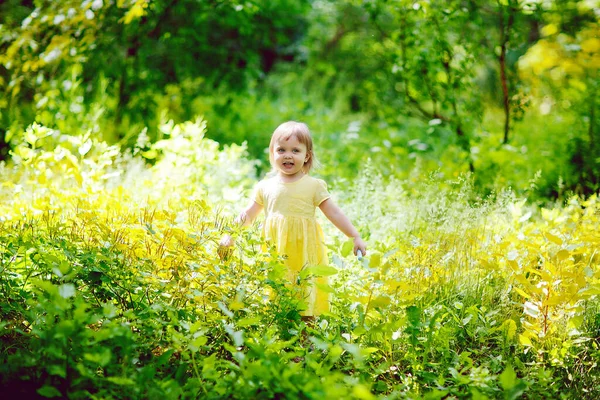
pixel 505 89
pixel 461 136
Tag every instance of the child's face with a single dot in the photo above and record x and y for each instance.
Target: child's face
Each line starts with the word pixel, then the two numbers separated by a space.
pixel 289 156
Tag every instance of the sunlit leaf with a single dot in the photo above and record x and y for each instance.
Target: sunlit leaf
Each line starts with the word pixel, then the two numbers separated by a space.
pixel 375 260
pixel 525 341
pixel 552 238
pixel 325 287
pixel 563 255
pixel 119 380
pixel 531 309
pixel 318 270
pixel 66 290
pixel 197 343
pixel 508 378
pixel 511 329
pixel 236 305
pixel 362 392
pixel 244 322
pixel 347 248
pixel 381 301
pixel 521 292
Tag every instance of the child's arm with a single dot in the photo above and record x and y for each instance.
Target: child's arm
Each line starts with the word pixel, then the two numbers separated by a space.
pixel 245 219
pixel 248 216
pixel 339 219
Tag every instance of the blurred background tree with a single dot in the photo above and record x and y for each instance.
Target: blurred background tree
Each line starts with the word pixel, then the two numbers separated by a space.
pixel 133 59
pixel 505 89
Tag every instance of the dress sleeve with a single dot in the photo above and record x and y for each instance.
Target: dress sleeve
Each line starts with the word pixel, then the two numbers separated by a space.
pixel 321 194
pixel 258 194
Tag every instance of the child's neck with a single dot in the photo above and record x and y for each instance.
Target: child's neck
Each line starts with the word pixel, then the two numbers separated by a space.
pixel 289 179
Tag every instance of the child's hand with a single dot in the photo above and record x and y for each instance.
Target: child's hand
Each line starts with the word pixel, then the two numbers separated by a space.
pixel 224 251
pixel 359 244
pixel 226 241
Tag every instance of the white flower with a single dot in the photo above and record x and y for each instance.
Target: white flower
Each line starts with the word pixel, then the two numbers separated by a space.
pixel 53 55
pixel 97 4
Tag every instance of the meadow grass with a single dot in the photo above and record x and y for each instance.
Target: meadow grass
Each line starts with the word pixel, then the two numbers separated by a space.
pixel 114 287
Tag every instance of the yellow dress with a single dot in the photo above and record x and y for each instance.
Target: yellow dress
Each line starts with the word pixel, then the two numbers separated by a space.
pixel 290 224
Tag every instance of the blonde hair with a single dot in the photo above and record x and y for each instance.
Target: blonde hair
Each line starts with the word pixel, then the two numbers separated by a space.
pixel 300 130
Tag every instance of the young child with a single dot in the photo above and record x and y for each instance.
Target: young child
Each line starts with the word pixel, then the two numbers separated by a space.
pixel 290 198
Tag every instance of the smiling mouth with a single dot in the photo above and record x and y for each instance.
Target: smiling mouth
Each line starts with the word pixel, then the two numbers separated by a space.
pixel 288 164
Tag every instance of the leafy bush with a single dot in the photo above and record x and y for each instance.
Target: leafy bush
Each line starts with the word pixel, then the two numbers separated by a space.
pixel 114 286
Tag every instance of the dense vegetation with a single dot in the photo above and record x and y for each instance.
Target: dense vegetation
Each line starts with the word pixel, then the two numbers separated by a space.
pixel 506 89
pixel 115 287
pixel 460 136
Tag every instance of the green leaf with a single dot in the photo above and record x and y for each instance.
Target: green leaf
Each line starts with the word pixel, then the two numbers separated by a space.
pixel 119 380
pixel 563 255
pixel 101 357
pixel 370 350
pixel 525 341
pixel 576 322
pixel 381 386
pixel 67 290
pixel 552 238
pixel 513 387
pixel 362 392
pixel 477 395
pixel 511 329
pixel 375 260
pixel 347 248
pixel 435 394
pixel 360 330
pixel 46 286
pixel 521 292
pixel 64 267
pixel 381 301
pixel 31 137
pixel 66 327
pixel 109 310
pixel 58 370
pixel 236 305
pixel 414 315
pixel 318 270
pixel 277 272
pixel 198 342
pixel 242 323
pixel 49 391
pixel 508 378
pixel 325 287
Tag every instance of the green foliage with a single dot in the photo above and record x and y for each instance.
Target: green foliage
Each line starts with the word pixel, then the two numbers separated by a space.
pixel 115 287
pixel 418 87
pixel 115 58
pixel 423 114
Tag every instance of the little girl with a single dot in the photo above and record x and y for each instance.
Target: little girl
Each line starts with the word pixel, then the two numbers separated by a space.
pixel 290 198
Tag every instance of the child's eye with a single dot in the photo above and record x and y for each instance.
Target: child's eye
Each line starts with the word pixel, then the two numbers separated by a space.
pixel 280 150
pixel 296 151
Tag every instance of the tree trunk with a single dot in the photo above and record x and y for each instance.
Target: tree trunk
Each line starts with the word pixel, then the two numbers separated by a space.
pixel 4 147
pixel 504 39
